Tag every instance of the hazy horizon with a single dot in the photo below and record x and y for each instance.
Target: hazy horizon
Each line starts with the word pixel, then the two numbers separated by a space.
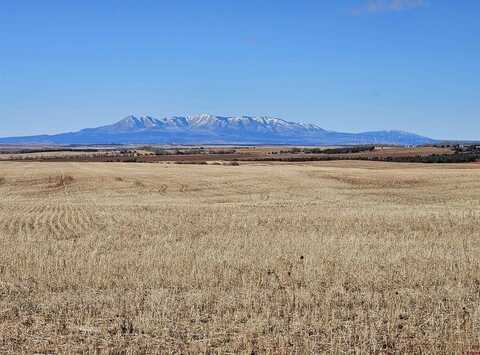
pixel 362 65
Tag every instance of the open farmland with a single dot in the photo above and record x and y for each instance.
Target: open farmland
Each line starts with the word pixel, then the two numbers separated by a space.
pixel 201 154
pixel 324 257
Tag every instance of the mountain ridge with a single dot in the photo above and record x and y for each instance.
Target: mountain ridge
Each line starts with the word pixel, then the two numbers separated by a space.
pixel 206 128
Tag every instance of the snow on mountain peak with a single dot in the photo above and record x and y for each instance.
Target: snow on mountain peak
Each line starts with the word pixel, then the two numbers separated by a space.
pixel 207 121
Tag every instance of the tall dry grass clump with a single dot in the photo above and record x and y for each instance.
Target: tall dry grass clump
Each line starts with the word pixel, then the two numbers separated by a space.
pixel 348 257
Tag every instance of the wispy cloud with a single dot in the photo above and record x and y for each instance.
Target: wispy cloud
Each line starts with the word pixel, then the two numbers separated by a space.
pixel 381 6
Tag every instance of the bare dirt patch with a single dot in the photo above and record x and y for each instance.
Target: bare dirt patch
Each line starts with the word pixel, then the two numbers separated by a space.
pixel 379 181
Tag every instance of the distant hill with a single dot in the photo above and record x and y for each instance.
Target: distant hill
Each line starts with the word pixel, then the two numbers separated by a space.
pixel 210 129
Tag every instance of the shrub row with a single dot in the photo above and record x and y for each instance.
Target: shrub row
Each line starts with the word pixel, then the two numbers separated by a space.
pixel 434 158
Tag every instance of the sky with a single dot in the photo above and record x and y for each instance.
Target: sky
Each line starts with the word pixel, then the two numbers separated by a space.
pixel 347 65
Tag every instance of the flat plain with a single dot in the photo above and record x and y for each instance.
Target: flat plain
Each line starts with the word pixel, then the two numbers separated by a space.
pixel 324 257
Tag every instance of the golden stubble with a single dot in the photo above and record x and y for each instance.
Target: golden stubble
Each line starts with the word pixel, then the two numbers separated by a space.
pixel 338 257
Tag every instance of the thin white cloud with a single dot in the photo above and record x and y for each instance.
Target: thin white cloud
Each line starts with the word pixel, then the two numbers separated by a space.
pixel 380 6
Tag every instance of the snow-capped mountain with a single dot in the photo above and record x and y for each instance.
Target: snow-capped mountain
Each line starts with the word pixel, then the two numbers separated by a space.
pixel 208 122
pixel 205 129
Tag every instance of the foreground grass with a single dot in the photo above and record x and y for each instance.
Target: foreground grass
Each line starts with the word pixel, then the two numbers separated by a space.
pixel 323 258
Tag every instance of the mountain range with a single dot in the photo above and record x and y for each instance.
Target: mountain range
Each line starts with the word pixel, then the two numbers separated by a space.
pixel 210 129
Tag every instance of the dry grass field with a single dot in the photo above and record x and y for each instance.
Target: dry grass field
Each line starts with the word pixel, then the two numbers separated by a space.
pixel 337 257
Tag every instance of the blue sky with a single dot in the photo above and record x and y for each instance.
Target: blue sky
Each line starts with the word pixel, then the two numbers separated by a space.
pixel 346 65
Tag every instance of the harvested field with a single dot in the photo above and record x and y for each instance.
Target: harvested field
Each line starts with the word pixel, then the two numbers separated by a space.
pixel 324 257
pixel 211 154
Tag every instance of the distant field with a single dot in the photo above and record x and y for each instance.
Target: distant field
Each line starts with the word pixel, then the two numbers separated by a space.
pixel 195 154
pixel 323 257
